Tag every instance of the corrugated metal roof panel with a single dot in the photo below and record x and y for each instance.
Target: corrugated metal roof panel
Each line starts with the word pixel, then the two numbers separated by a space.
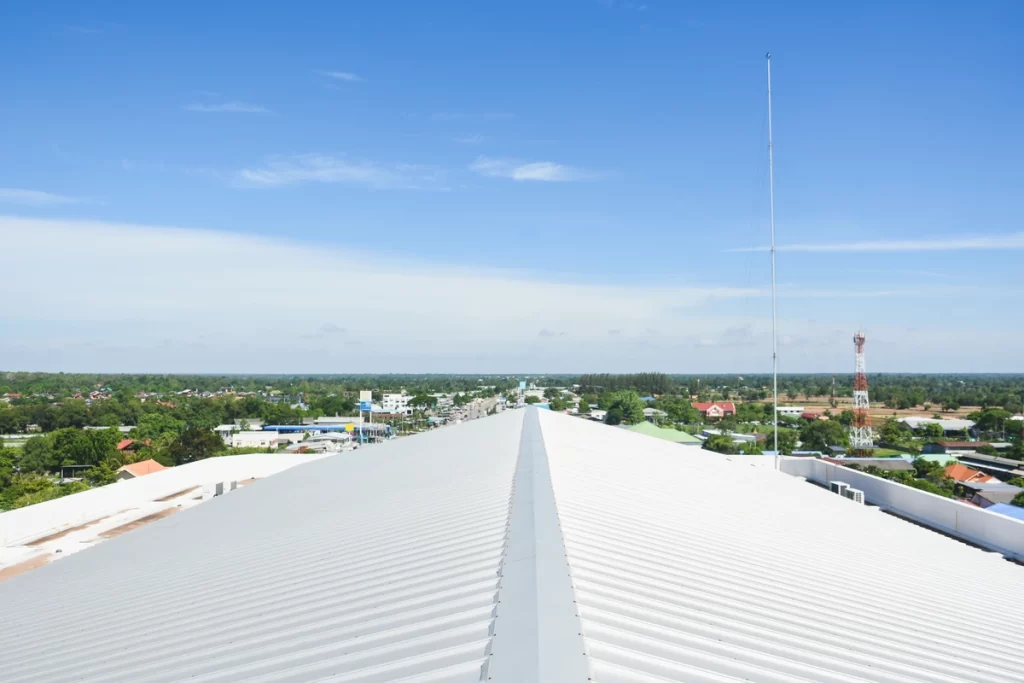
pixel 392 563
pixel 772 580
pixel 378 565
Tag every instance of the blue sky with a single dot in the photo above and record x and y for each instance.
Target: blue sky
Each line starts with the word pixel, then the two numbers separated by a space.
pixel 509 186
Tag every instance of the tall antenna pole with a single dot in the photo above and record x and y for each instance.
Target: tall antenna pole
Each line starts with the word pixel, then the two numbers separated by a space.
pixel 775 338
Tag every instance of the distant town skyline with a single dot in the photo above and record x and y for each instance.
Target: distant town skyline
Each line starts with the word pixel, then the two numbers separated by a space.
pixel 522 187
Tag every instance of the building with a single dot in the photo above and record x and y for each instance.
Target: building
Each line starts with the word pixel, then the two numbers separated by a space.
pixel 139 469
pixel 130 445
pixel 673 435
pixel 888 464
pixel 735 436
pixel 248 424
pixel 790 411
pixel 654 415
pixel 396 404
pixel 988 494
pixel 261 439
pixel 950 427
pixel 1014 511
pixel 1003 468
pixel 715 410
pixel 952 447
pixel 225 432
pixel 964 474
pixel 336 420
pixel 524 547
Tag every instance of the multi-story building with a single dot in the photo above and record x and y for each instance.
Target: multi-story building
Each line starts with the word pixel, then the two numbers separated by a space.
pixel 396 404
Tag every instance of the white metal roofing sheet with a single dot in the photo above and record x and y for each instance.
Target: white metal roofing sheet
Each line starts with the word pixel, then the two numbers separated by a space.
pixel 551 547
pixel 377 565
pixel 767 579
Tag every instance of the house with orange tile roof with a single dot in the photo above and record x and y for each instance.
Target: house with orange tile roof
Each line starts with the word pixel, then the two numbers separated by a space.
pixel 967 475
pixel 139 469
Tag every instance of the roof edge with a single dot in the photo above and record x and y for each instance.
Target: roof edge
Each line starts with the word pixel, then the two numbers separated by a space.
pixel 537 630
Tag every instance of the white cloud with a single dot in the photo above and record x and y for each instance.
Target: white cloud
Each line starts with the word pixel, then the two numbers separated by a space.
pixel 230 302
pixel 1009 241
pixel 324 168
pixel 12 195
pixel 544 171
pixel 341 76
pixel 213 289
pixel 227 107
pixel 473 139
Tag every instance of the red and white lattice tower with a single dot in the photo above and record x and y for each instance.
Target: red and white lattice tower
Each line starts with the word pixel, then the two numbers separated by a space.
pixel 860 431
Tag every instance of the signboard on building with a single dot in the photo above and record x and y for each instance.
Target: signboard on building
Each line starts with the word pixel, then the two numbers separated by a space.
pixel 365 396
pixel 349 427
pixel 365 406
pixel 522 386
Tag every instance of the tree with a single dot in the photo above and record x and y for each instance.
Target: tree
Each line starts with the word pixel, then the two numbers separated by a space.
pixel 991 419
pixel 846 418
pixel 423 401
pixel 1018 500
pixel 584 407
pixel 195 444
pixel 531 400
pixel 102 474
pixel 893 431
pixel 751 448
pixel 787 441
pixel 924 467
pixel 627 408
pixel 559 405
pixel 720 443
pixel 153 425
pixel 818 435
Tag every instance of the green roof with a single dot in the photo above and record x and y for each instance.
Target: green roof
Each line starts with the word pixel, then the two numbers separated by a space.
pixel 673 435
pixel 940 458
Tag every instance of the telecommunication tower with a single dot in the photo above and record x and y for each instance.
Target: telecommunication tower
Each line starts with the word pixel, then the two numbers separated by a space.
pixel 860 431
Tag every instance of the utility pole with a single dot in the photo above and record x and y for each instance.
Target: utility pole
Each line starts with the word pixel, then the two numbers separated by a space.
pixel 775 335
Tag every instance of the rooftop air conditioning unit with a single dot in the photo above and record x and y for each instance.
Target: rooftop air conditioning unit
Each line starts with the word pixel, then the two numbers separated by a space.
pixel 838 487
pixel 856 495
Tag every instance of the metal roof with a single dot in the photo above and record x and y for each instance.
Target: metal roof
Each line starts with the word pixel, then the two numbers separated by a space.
pixel 527 546
pixel 947 424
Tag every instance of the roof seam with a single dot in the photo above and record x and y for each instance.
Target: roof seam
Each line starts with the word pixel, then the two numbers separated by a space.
pixel 538 635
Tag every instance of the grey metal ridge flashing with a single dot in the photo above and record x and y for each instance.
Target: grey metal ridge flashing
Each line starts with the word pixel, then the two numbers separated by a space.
pixel 537 631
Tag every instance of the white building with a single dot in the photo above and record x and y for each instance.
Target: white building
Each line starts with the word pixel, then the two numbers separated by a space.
pixel 790 411
pixel 225 432
pixel 335 420
pixel 396 403
pixel 255 440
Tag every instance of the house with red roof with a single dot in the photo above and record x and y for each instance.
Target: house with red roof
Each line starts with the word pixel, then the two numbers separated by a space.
pixel 715 410
pixel 139 469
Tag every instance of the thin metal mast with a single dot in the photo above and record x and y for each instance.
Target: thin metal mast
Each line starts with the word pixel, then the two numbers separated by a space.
pixel 775 338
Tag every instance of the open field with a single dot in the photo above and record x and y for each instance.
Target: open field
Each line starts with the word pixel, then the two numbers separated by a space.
pixel 820 404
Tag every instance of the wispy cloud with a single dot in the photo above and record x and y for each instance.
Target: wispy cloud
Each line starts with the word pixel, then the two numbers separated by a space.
pixel 346 76
pixel 227 107
pixel 473 139
pixel 472 116
pixel 324 168
pixel 171 315
pixel 1009 241
pixel 12 195
pixel 544 171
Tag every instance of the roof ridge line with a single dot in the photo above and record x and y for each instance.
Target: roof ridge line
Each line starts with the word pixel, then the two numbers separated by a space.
pixel 537 634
